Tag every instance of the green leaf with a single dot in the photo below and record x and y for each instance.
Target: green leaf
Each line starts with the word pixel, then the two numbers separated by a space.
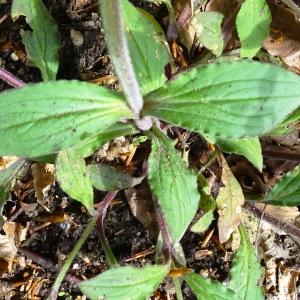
pixel 73 177
pixel 246 272
pixel 208 30
pixel 229 203
pixel 42 44
pixel 203 223
pixel 93 143
pixel 44 118
pixel 209 289
pixel 127 283
pixel 248 147
pixel 108 178
pixel 173 184
pixel 287 190
pixel 253 25
pixel 228 100
pixel 147 46
pixel 6 178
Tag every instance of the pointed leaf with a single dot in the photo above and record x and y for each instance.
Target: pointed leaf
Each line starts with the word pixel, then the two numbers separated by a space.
pixel 108 178
pixel 73 177
pixel 246 272
pixel 248 147
pixel 229 203
pixel 125 283
pixel 147 46
pixel 253 25
pixel 208 30
pixel 173 184
pixel 203 223
pixel 42 44
pixel 6 178
pixel 208 289
pixel 228 100
pixel 287 190
pixel 44 118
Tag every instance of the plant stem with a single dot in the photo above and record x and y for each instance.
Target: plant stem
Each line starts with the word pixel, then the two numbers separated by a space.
pixel 178 290
pixel 293 7
pixel 281 155
pixel 102 210
pixel 69 260
pixel 11 79
pixel 118 49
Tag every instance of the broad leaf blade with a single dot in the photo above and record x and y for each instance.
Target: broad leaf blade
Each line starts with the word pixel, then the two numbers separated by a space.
pixel 246 272
pixel 208 30
pixel 6 178
pixel 228 100
pixel 287 190
pixel 42 44
pixel 74 178
pixel 108 178
pixel 147 46
pixel 208 289
pixel 253 25
pixel 125 283
pixel 229 203
pixel 248 147
pixel 173 184
pixel 44 118
pixel 203 223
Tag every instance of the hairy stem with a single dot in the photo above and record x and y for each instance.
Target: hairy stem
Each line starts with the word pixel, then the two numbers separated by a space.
pixel 11 79
pixel 69 260
pixel 119 52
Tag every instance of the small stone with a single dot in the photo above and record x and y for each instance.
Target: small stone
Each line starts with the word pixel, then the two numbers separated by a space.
pixel 14 56
pixel 76 37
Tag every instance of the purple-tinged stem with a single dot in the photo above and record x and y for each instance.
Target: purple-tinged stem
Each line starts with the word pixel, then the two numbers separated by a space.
pixel 11 79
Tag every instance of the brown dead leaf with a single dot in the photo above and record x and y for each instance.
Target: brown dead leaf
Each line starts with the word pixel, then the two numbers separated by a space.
pixel 6 161
pixel 284 38
pixel 8 251
pixel 229 203
pixel 43 176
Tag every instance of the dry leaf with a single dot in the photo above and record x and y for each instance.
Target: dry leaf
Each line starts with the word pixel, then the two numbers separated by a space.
pixel 284 39
pixel 229 203
pixel 8 251
pixel 6 161
pixel 43 176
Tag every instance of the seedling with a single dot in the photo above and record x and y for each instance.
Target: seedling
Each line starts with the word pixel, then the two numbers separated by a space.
pixel 229 104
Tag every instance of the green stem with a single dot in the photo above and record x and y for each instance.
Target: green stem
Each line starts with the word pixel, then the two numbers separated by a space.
pixel 178 290
pixel 69 260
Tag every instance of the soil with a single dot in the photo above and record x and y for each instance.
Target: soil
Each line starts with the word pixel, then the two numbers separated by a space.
pixel 44 249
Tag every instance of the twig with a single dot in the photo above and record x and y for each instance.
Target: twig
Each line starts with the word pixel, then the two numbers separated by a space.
pixel 280 155
pixel 69 260
pixel 102 210
pixel 11 79
pixel 289 228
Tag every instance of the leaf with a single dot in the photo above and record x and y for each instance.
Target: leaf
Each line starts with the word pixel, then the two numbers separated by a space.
pixel 93 143
pixel 74 178
pixel 246 272
pixel 248 147
pixel 203 223
pixel 8 251
pixel 125 283
pixel 253 25
pixel 115 32
pixel 47 117
pixel 6 178
pixel 227 100
pixel 173 184
pixel 209 289
pixel 286 191
pixel 42 44
pixel 147 46
pixel 229 203
pixel 108 178
pixel 208 30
